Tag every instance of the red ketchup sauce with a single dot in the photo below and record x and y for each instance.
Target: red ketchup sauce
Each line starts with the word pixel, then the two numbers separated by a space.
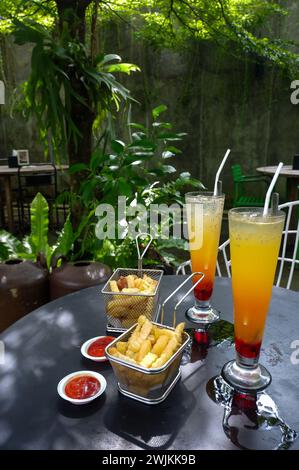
pixel 97 348
pixel 82 386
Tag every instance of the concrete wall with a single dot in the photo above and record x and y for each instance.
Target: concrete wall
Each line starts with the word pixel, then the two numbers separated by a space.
pixel 219 101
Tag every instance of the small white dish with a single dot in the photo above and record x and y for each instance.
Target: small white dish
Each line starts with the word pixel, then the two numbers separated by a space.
pixel 62 384
pixel 84 349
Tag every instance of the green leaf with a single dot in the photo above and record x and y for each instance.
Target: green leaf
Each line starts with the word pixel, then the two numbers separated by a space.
pixel 171 136
pixel 158 110
pixel 97 159
pixel 135 125
pixel 39 219
pixel 117 146
pixel 139 181
pixel 167 154
pixel 136 136
pixel 186 180
pixel 10 245
pixel 4 253
pixel 136 162
pixel 109 58
pixel 122 68
pixel 125 189
pixel 65 239
pixel 185 175
pixel 77 167
pixel 173 149
pixel 172 243
pixel 162 125
pixel 142 143
pixel 168 169
pixel 138 155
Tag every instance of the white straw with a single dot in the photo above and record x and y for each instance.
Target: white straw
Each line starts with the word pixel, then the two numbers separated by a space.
pixel 219 171
pixel 270 189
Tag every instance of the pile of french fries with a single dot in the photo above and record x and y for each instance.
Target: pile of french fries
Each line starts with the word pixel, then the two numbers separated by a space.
pixel 126 308
pixel 149 346
pixel 133 284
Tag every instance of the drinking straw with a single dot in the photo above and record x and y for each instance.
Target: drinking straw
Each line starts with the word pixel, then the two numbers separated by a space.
pixel 219 187
pixel 275 202
pixel 219 171
pixel 270 189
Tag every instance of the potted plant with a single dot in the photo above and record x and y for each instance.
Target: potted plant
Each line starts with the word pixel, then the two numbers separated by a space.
pixel 56 259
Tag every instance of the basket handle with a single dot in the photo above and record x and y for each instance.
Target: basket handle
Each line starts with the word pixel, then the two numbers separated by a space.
pixel 141 255
pixel 197 273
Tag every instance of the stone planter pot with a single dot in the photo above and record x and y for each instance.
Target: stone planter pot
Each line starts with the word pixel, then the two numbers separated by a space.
pixel 71 277
pixel 24 286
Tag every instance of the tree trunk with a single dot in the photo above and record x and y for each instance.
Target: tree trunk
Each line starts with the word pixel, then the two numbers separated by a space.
pixel 72 15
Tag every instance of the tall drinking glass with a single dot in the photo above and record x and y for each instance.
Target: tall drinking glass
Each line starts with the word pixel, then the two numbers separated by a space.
pixel 254 242
pixel 204 216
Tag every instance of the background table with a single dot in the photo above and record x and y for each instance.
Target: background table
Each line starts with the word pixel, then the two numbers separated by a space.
pixel 6 173
pixel 291 175
pixel 45 346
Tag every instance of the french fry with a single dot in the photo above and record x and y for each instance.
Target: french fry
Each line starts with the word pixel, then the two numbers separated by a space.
pixel 115 310
pixel 148 360
pixel 160 345
pixel 113 286
pixel 167 353
pixel 163 331
pixel 121 346
pixel 144 350
pixel 114 352
pixel 131 281
pixel 179 331
pixel 135 335
pixel 138 283
pixel 131 353
pixel 152 338
pixel 145 330
pixel 149 345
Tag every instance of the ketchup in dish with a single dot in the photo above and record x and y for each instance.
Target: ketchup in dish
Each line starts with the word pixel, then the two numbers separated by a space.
pixel 97 348
pixel 82 386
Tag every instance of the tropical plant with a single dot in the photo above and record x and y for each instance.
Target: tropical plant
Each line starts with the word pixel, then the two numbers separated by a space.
pixel 71 86
pixel 139 171
pixel 51 95
pixel 243 27
pixel 36 244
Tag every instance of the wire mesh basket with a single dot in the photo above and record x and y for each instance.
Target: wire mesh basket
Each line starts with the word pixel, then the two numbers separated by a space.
pixel 124 309
pixel 151 385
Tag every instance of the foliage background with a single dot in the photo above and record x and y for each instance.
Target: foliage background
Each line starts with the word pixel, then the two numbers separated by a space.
pixel 221 94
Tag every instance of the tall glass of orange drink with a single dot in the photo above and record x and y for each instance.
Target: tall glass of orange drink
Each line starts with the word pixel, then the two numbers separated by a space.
pixel 254 243
pixel 204 216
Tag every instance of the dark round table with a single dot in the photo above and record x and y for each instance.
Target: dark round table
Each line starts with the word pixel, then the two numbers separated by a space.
pixel 44 346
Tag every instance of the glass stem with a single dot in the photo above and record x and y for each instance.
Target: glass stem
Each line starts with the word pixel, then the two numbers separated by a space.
pixel 247 362
pixel 202 303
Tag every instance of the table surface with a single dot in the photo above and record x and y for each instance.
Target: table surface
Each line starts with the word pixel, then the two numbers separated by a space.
pixel 44 346
pixel 6 171
pixel 287 170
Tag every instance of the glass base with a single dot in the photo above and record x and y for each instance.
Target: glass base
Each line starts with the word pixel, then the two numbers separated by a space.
pixel 202 314
pixel 246 379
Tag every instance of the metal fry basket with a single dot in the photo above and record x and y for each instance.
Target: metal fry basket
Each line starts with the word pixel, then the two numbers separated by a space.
pixel 150 386
pixel 123 309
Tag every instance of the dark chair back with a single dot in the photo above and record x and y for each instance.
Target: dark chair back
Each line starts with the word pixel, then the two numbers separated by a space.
pixel 36 180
